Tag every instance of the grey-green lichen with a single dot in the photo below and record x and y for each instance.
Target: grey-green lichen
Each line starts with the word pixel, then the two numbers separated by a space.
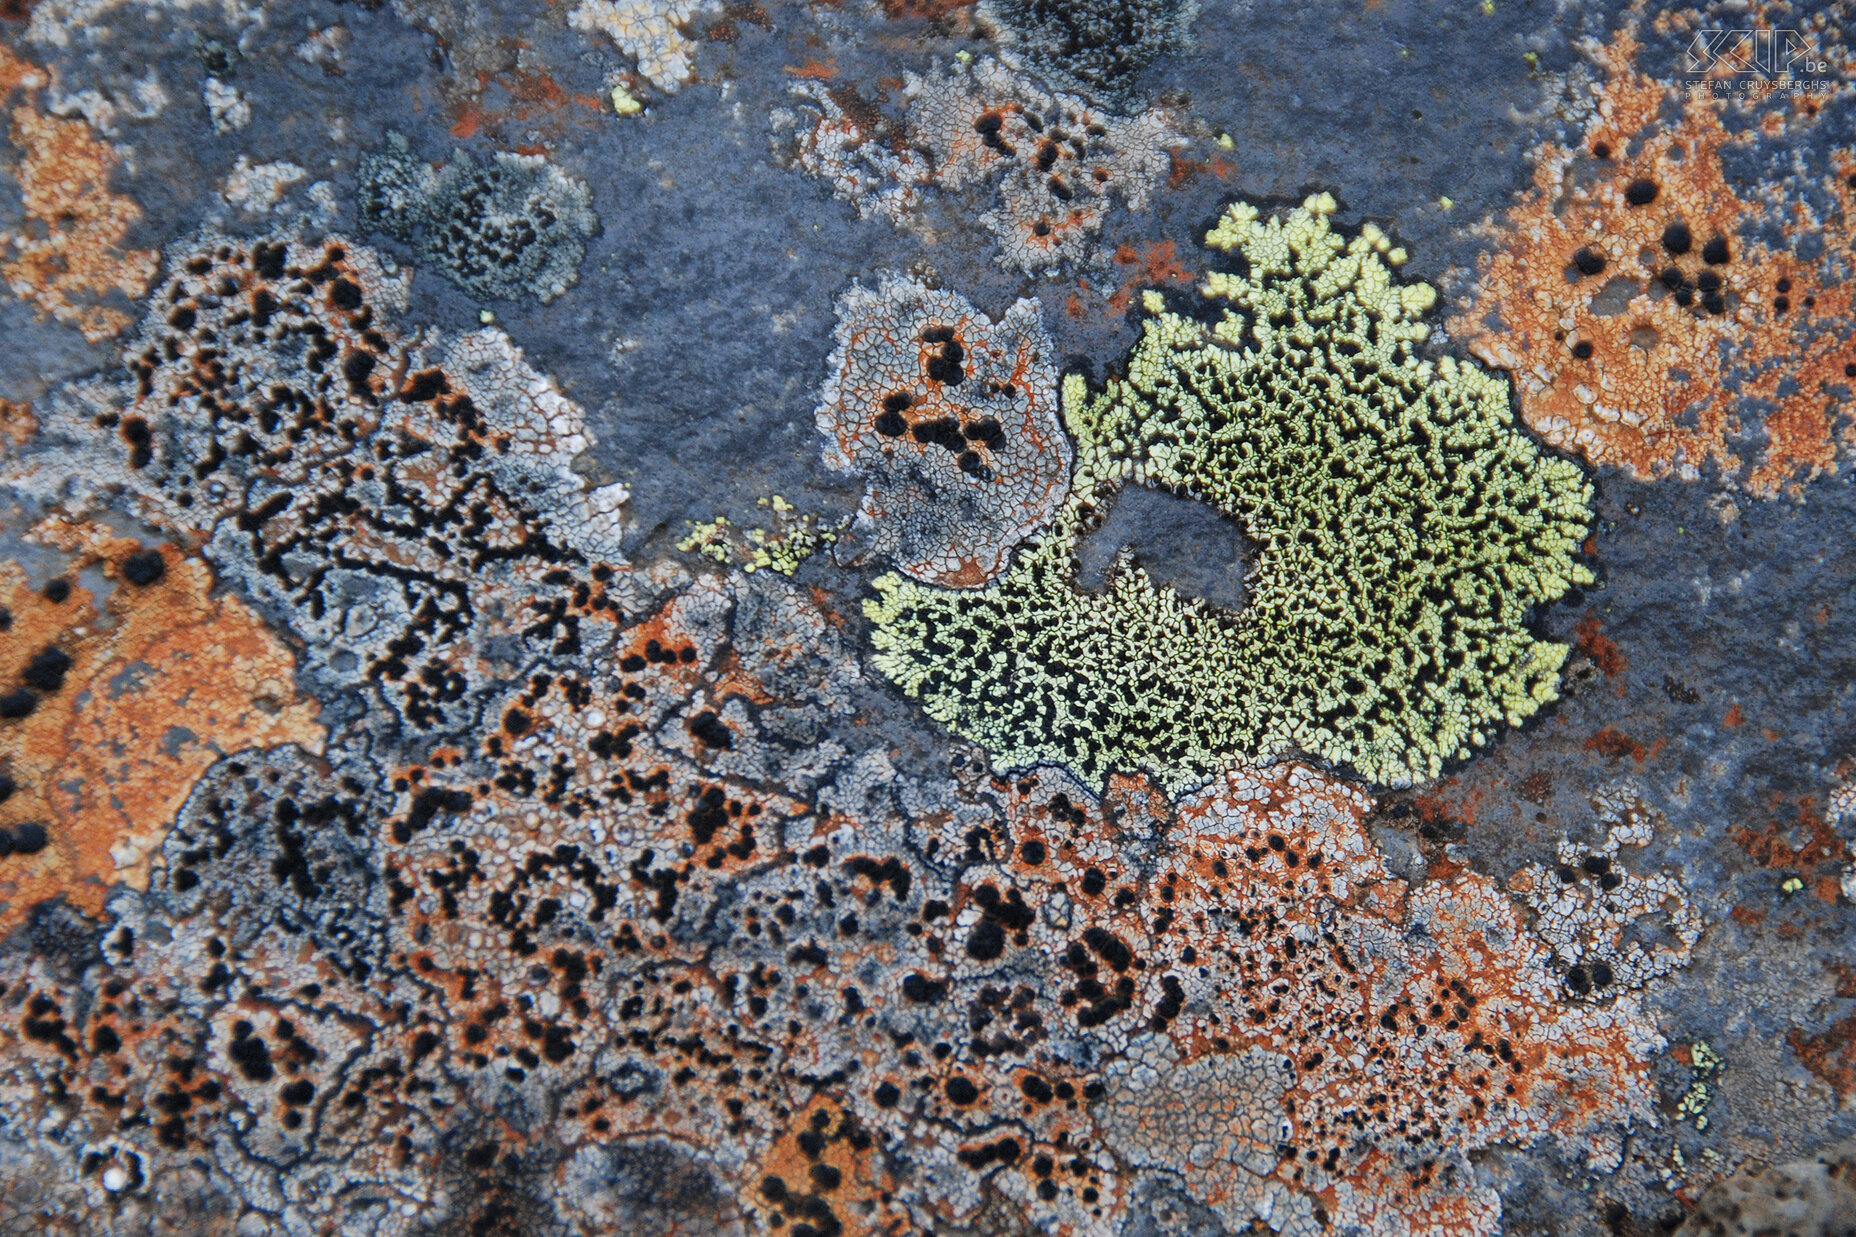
pixel 510 227
pixel 1405 530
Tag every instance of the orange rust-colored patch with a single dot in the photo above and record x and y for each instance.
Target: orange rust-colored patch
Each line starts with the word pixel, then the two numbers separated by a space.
pixel 70 258
pixel 1748 915
pixel 1614 744
pixel 165 682
pixel 1632 338
pixel 1148 267
pixel 1772 847
pixel 826 1165
pixel 727 28
pixel 1535 787
pixel 932 10
pixel 815 70
pixel 17 424
pixel 1733 716
pixel 536 103
pixel 1435 805
pixel 1184 168
pixel 1830 1054
pixel 1599 647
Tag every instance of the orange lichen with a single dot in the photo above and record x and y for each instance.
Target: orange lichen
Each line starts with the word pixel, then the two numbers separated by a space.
pixel 1615 744
pixel 1640 323
pixel 827 1165
pixel 535 105
pixel 1290 1034
pixel 1147 267
pixel 70 258
pixel 17 424
pixel 1830 1054
pixel 1599 647
pixel 138 703
pixel 1800 845
pixel 978 1004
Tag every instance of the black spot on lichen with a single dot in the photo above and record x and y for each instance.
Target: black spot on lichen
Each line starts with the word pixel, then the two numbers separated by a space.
pixel 709 730
pixel 46 670
pixel 144 567
pixel 28 838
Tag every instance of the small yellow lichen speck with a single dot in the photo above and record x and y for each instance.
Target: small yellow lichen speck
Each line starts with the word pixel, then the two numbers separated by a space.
pixel 794 539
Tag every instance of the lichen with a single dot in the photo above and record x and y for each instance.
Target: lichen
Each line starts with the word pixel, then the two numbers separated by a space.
pixel 1584 903
pixel 646 923
pixel 512 227
pixel 1093 47
pixel 1810 1195
pixel 647 31
pixel 1655 313
pixel 380 489
pixel 1053 161
pixel 71 262
pixel 952 420
pixel 112 718
pixel 787 540
pixel 1404 529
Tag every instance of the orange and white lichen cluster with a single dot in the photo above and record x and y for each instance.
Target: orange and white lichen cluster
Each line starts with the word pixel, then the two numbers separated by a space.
pixel 108 719
pixel 1361 1034
pixel 952 419
pixel 865 156
pixel 651 922
pixel 69 260
pixel 378 485
pixel 1055 162
pixel 1648 316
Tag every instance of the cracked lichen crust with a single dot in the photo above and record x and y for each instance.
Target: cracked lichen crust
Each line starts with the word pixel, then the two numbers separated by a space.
pixel 510 227
pixel 647 31
pixel 952 419
pixel 1404 530
pixel 372 487
pixel 1053 162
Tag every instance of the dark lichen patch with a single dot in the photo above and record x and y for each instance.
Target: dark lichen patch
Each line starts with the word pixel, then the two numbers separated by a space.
pixel 288 412
pixel 1094 47
pixel 512 227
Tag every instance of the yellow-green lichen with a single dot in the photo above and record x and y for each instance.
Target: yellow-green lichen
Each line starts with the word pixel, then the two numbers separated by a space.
pixel 1703 1062
pixel 1404 531
pixel 793 539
